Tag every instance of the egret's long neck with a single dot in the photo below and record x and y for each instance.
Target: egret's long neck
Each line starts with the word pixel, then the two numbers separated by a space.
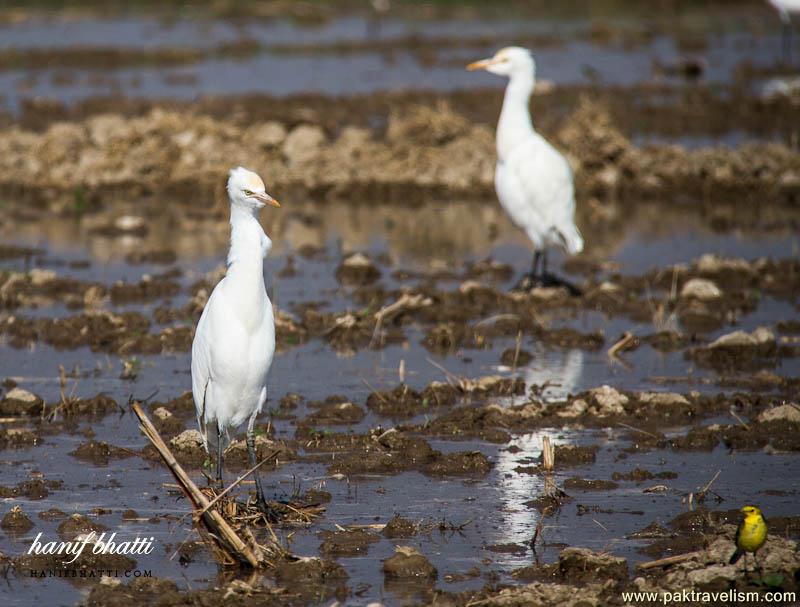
pixel 247 242
pixel 515 123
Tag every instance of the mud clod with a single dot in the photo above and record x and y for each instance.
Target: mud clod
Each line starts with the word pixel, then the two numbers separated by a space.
pixel 76 525
pixel 99 453
pixel 581 565
pixel 585 484
pixel 465 463
pixel 346 543
pixel 309 571
pixel 21 403
pixel 16 521
pixel 357 270
pixel 399 527
pixel 408 564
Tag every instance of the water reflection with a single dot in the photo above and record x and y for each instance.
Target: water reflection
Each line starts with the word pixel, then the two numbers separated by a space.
pixel 554 375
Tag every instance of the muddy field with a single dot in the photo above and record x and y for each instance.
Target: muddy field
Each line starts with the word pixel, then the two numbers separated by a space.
pixel 412 387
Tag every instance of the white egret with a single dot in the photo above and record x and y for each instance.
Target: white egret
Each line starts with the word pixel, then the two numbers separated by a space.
pixel 235 339
pixel 786 8
pixel 533 180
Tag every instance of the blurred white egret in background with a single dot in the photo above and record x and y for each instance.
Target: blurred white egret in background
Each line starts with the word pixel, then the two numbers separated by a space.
pixel 533 180
pixel 235 339
pixel 785 9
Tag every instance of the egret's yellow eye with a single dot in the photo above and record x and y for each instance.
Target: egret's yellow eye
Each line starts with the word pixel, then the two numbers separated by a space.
pixel 248 193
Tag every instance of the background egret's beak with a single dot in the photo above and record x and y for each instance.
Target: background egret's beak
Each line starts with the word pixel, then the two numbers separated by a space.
pixel 479 65
pixel 267 199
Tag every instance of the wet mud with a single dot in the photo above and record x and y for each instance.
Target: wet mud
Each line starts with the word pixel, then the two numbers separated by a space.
pixel 412 386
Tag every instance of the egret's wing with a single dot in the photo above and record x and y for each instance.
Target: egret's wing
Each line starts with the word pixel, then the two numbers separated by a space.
pixel 201 365
pixel 545 184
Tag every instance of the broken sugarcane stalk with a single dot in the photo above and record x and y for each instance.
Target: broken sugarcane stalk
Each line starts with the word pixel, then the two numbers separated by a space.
pixel 405 303
pixel 670 560
pixel 211 520
pixel 548 455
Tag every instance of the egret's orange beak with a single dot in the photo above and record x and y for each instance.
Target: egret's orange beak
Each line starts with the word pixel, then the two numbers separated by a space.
pixel 267 199
pixel 479 65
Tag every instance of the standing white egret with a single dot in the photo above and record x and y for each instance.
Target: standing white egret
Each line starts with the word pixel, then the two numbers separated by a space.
pixel 533 180
pixel 235 339
pixel 785 9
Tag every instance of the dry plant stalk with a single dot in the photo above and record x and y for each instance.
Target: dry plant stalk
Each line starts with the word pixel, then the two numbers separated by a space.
pixel 405 303
pixel 226 544
pixel 548 454
pixel 670 560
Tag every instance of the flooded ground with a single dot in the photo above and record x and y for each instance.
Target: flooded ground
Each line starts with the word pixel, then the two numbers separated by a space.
pixel 114 230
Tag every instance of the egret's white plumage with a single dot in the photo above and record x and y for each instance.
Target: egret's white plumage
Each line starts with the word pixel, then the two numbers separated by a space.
pixel 235 339
pixel 786 7
pixel 533 180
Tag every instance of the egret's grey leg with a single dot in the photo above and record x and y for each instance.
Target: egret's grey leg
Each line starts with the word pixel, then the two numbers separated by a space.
pixel 251 458
pixel 219 455
pixel 537 255
pixel 544 263
pixel 787 41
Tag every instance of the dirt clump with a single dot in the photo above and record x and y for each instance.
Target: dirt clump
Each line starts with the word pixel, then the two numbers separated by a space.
pixel 87 566
pixel 142 591
pixel 309 571
pixel 461 463
pixel 585 484
pixel 18 438
pixel 181 406
pixel 463 423
pixel 99 453
pixel 639 475
pixel 76 525
pixel 18 402
pixel 738 350
pixel 34 489
pixel 401 402
pixel 574 455
pixel 697 439
pixel 147 289
pixel 399 528
pixel 102 331
pixel 581 565
pixel 357 270
pixel 15 521
pixel 188 448
pixel 408 564
pixel 236 454
pixel 94 407
pixel 334 411
pixel 154 256
pixel 167 424
pixel 52 514
pixel 512 357
pixel 350 542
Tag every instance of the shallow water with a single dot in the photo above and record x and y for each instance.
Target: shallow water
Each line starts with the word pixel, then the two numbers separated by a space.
pixel 492 509
pixel 352 54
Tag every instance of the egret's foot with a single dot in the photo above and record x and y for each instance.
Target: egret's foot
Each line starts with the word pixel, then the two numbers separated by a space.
pixel 530 281
pixel 270 513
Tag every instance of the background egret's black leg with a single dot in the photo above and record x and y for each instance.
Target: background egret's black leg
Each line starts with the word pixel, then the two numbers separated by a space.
pixel 219 455
pixel 787 41
pixel 537 256
pixel 544 264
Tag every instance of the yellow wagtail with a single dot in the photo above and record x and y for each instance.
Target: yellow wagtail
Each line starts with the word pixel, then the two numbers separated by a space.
pixel 750 536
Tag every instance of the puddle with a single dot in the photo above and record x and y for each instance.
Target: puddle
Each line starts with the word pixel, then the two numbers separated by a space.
pixel 349 55
pixel 492 510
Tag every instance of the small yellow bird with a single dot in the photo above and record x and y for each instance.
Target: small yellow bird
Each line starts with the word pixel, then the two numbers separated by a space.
pixel 751 534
